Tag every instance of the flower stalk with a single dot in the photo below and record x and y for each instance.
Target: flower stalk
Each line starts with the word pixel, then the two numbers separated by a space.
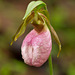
pixel 50 65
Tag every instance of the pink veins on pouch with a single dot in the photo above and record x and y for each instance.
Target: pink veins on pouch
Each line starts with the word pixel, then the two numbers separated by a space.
pixel 36 47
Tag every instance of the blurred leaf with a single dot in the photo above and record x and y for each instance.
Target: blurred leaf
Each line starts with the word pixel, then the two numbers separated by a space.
pixel 71 70
pixel 5 70
pixel 14 66
pixel 58 17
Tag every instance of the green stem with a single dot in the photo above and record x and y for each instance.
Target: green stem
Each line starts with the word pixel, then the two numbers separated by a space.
pixel 50 65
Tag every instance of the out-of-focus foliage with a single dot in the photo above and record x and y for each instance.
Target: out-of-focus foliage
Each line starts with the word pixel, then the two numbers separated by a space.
pixel 62 18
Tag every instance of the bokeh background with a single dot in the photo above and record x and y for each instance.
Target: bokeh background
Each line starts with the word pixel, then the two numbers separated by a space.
pixel 62 18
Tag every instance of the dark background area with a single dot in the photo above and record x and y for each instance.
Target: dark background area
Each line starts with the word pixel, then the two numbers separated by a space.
pixel 62 18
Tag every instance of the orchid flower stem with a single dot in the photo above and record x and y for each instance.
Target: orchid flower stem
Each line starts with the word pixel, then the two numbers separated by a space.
pixel 50 65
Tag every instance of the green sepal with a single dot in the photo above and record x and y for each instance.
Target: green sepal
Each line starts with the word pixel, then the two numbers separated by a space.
pixel 32 5
pixel 52 31
pixel 29 15
pixel 44 12
pixel 22 27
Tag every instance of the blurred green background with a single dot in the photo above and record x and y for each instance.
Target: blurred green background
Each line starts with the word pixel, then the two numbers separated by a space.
pixel 62 18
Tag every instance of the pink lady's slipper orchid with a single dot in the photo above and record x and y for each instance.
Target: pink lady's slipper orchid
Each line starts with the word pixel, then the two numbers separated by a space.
pixel 36 47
